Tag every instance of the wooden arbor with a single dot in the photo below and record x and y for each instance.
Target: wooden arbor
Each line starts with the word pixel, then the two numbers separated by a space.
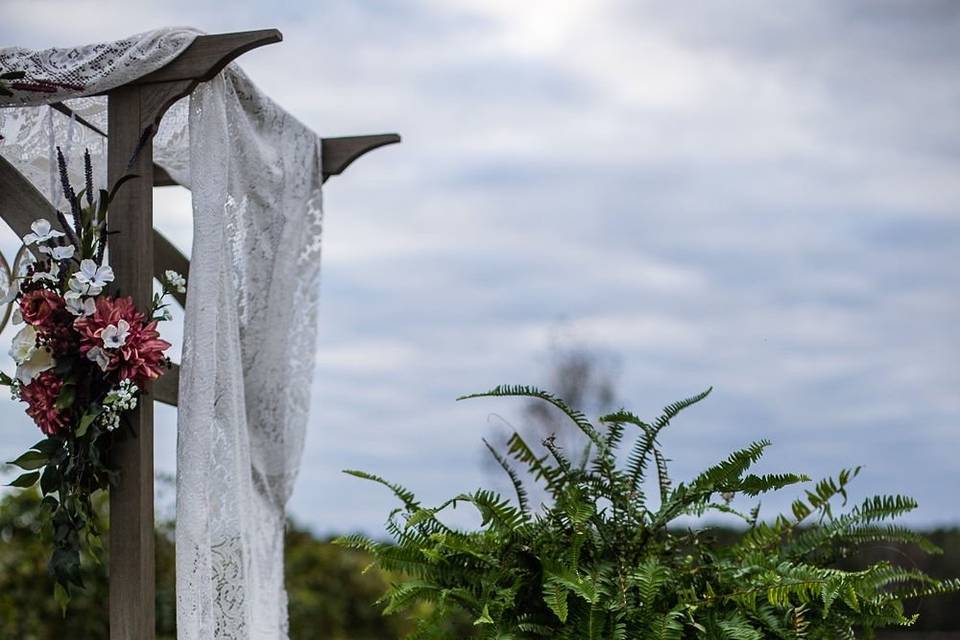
pixel 134 113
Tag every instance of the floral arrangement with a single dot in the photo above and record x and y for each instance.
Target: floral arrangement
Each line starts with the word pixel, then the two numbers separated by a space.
pixel 83 356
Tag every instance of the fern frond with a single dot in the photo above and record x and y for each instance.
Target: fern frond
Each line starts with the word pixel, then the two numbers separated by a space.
pixel 663 477
pixel 522 497
pixel 671 410
pixel 521 391
pixel 752 485
pixel 405 495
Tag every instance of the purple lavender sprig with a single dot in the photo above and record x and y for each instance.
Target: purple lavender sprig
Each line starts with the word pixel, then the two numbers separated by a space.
pixel 88 176
pixel 72 234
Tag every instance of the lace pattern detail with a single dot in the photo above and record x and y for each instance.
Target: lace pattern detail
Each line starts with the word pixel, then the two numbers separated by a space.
pixel 250 328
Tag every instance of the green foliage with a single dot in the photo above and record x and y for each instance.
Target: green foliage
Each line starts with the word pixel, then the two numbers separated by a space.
pixel 598 560
pixel 329 592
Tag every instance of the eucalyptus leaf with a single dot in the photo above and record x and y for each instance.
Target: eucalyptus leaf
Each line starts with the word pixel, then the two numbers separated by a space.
pixel 50 481
pixel 30 460
pixel 85 423
pixel 25 480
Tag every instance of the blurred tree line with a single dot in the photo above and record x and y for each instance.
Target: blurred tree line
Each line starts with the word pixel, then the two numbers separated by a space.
pixel 330 595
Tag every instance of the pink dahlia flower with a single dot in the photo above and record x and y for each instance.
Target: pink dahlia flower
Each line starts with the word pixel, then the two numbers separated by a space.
pixel 40 396
pixel 126 344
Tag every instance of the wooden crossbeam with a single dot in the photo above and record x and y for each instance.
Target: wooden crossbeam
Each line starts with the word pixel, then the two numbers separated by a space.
pixel 336 153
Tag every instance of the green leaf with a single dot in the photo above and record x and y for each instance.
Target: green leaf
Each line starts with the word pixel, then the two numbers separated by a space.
pixel 5 379
pixel 48 446
pixel 484 617
pixel 85 423
pixel 50 481
pixel 66 397
pixel 31 460
pixel 62 598
pixel 26 480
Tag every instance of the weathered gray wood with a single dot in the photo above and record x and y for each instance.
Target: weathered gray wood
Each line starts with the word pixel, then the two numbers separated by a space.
pixel 132 564
pixel 208 55
pixel 339 153
pixel 20 202
pixel 166 389
pixel 163 179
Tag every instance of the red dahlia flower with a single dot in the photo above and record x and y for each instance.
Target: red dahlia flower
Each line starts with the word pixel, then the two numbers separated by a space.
pixel 140 356
pixel 40 396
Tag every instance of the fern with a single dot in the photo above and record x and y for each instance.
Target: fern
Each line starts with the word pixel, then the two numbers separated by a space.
pixel 595 562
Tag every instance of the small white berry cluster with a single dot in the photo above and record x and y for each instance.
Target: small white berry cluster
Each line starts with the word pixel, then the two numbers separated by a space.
pixel 175 281
pixel 123 398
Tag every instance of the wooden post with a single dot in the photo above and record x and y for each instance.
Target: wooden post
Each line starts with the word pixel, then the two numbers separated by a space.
pixel 132 571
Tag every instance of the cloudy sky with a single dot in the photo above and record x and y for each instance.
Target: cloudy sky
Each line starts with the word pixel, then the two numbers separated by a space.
pixel 760 197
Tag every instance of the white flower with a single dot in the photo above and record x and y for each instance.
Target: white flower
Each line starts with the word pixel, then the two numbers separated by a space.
pixel 59 253
pixel 37 363
pixel 83 289
pixel 115 336
pixel 16 317
pixel 121 398
pixel 23 344
pixel 51 275
pixel 27 261
pixel 31 360
pixel 92 275
pixel 98 355
pixel 42 231
pixel 176 281
pixel 78 305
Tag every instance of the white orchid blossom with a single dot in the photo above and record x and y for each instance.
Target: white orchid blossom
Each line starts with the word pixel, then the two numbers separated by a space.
pixel 81 289
pixel 114 336
pixel 40 361
pixel 78 305
pixel 16 317
pixel 59 253
pixel 92 275
pixel 42 232
pixel 31 360
pixel 23 344
pixel 98 355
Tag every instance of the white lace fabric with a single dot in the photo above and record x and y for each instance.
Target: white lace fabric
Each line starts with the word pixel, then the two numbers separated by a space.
pixel 251 313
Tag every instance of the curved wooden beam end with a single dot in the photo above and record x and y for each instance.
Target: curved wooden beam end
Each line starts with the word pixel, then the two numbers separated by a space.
pixel 339 153
pixel 208 55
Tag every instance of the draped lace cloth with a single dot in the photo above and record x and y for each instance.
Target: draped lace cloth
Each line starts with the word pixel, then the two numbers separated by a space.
pixel 251 311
